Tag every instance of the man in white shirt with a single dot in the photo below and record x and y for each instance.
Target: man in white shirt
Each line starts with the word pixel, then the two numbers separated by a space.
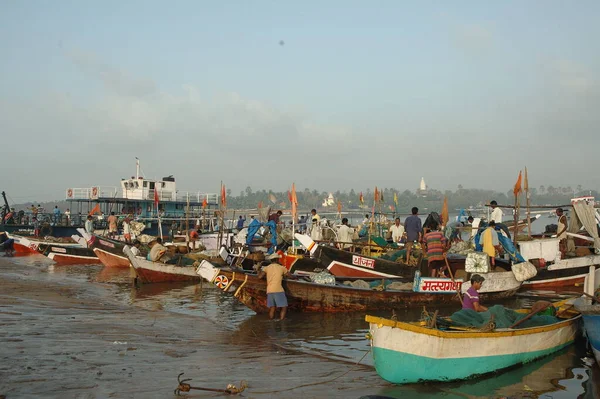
pixel 496 215
pixel 344 235
pixel 397 230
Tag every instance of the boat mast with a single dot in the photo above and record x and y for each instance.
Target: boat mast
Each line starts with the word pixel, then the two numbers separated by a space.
pixel 5 208
pixel 137 168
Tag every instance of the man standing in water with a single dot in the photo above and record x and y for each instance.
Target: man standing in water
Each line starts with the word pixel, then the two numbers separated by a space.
pixel 413 228
pixel 275 293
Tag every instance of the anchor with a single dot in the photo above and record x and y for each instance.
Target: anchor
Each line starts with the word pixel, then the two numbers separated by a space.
pixel 185 387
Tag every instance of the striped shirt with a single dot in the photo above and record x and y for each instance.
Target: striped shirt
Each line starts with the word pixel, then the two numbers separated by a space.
pixel 435 241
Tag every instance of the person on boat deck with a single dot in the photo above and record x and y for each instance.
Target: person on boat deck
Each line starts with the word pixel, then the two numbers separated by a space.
pixel 436 243
pixel 275 293
pixel 344 235
pixel 89 224
pixel 471 297
pixel 135 248
pixel 397 230
pixel 496 214
pixel 302 224
pixel 240 223
pixel 68 215
pixel 489 241
pixel 36 227
pixel 413 228
pixel 112 224
pixel 157 251
pixel 127 230
pixel 56 212
pixel 194 236
pixel 561 230
pixel 452 231
pixel 275 217
pixel 314 216
pixel 366 219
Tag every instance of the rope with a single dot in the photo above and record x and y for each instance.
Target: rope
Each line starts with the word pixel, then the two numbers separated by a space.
pixel 316 383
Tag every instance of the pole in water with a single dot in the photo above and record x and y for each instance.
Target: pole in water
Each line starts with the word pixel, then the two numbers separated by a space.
pixel 185 387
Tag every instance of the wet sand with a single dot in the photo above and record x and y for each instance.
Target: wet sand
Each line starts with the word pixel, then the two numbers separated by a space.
pixel 65 338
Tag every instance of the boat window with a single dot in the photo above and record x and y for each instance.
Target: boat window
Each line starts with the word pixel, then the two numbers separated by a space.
pixel 151 185
pixel 145 184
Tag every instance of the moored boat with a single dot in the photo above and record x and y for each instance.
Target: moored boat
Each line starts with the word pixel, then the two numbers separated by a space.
pixel 305 296
pixel 69 255
pixel 590 310
pixel 30 245
pixel 409 352
pixel 155 272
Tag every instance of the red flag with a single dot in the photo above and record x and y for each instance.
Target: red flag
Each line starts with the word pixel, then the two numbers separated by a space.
pixel 155 197
pixel 260 204
pixel 205 202
pixel 223 197
pixel 361 198
pixel 294 201
pixel 339 206
pixel 96 209
pixel 517 190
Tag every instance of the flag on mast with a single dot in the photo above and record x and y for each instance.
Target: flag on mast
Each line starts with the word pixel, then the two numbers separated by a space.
pixel 517 190
pixel 223 196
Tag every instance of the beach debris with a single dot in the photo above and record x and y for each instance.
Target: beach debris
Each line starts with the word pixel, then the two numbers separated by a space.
pixel 185 387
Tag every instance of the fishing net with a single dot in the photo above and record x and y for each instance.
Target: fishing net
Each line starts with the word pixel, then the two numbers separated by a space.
pixel 503 317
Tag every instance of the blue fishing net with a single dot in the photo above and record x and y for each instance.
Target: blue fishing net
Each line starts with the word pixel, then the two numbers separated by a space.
pixel 503 317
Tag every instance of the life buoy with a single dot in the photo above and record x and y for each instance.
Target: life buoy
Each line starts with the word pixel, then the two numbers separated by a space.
pixel 221 281
pixel 69 193
pixel 94 191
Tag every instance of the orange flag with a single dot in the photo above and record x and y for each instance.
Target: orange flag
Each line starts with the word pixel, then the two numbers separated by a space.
pixel 517 190
pixel 376 195
pixel 260 204
pixel 223 197
pixel 205 203
pixel 361 199
pixel 339 206
pixel 96 209
pixel 294 201
pixel 444 215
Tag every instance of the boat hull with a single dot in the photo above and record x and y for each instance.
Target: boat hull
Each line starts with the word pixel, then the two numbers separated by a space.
pixel 155 272
pixel 110 259
pixel 305 296
pixel 445 356
pixel 591 324
pixel 69 255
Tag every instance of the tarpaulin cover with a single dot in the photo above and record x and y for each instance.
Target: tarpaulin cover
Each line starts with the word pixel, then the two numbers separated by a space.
pixel 503 317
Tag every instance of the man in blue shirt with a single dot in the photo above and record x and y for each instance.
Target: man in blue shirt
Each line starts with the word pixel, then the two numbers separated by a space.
pixel 56 215
pixel 240 223
pixel 413 229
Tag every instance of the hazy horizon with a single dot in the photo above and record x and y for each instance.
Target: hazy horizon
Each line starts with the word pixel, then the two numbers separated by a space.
pixel 331 96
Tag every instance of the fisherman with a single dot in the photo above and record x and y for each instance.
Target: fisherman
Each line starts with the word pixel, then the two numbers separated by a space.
pixel 36 227
pixel 452 231
pixel 397 231
pixel 68 215
pixel 366 219
pixel 135 248
pixel 240 223
pixel 56 212
pixel 314 216
pixel 489 241
pixel 345 234
pixel 471 297
pixel 157 251
pixel 302 224
pixel 496 215
pixel 435 242
pixel 561 231
pixel 413 228
pixel 275 217
pixel 194 236
pixel 112 225
pixel 89 225
pixel 126 230
pixel 276 298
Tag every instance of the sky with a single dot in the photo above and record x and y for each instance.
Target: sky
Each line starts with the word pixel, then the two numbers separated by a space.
pixel 330 95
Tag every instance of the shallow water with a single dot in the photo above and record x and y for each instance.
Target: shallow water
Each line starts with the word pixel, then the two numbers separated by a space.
pixel 314 347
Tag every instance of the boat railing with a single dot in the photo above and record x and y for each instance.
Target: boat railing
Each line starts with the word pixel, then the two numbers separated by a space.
pixel 94 192
pixel 211 198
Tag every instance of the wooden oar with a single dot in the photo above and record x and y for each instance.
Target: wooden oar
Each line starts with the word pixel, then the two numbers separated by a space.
pixel 593 298
pixel 452 277
pixel 531 314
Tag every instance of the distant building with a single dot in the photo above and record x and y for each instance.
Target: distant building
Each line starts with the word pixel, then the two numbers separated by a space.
pixel 328 201
pixel 422 190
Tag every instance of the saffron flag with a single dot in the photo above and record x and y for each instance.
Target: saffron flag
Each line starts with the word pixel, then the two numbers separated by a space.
pixel 272 198
pixel 339 206
pixel 96 209
pixel 526 185
pixel 294 201
pixel 155 197
pixel 444 214
pixel 517 190
pixel 361 199
pixel 223 197
pixel 260 204
pixel 205 202
pixel 376 196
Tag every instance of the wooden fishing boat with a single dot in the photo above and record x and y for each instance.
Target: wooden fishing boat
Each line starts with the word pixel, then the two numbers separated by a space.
pixel 409 353
pixel 591 313
pixel 155 272
pixel 305 296
pixel 29 245
pixel 108 251
pixel 69 255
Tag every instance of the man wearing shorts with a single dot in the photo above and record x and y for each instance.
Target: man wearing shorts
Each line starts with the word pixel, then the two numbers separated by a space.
pixel 275 294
